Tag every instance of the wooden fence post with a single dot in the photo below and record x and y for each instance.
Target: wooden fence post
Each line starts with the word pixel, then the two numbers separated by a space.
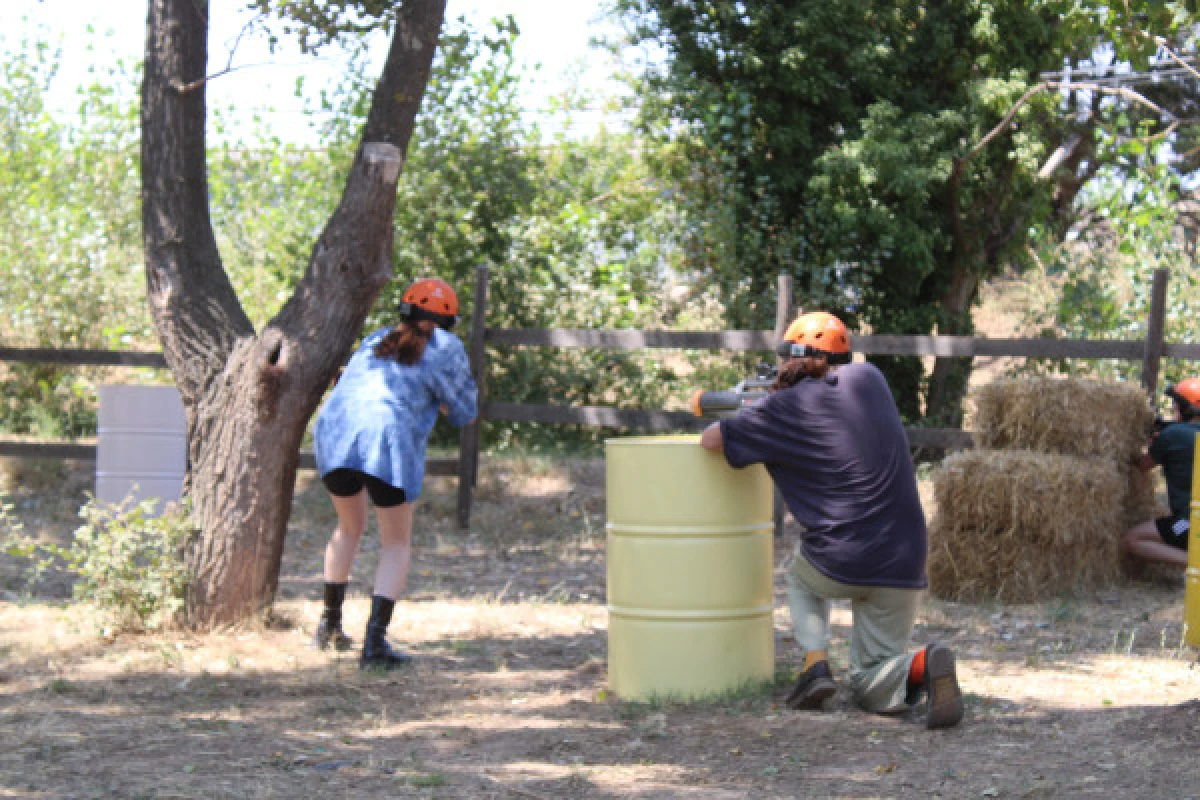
pixel 1155 324
pixel 783 317
pixel 468 440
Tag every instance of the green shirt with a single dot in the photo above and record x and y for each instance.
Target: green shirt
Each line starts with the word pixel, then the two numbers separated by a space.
pixel 1174 448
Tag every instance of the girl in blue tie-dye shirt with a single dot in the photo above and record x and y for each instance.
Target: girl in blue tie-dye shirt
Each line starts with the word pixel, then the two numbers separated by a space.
pixel 370 440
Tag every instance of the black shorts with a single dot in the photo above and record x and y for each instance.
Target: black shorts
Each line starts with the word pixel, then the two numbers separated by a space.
pixel 349 482
pixel 1174 531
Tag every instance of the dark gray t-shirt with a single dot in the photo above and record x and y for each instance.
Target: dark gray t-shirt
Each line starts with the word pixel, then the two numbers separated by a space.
pixel 837 450
pixel 1175 448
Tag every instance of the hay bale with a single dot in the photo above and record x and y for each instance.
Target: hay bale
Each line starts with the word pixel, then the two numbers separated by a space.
pixel 1064 415
pixel 1019 526
pixel 1142 500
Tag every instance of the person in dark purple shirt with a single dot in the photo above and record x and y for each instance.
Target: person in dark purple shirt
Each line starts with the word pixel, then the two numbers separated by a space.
pixel 832 440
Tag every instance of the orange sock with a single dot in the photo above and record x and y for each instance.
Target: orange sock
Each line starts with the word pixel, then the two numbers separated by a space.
pixel 916 672
pixel 813 656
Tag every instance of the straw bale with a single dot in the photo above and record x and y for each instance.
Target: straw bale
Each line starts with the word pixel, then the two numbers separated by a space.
pixel 1142 499
pixel 1063 415
pixel 1020 526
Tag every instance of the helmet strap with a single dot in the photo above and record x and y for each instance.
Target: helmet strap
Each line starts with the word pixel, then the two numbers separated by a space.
pixel 788 349
pixel 414 313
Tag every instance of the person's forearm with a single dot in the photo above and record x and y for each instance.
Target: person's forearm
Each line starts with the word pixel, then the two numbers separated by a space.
pixel 711 438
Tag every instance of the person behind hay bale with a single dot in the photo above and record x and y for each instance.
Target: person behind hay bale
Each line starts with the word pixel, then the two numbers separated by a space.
pixel 1165 539
pixel 831 438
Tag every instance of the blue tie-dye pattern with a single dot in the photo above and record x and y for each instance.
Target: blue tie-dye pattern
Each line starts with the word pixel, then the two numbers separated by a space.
pixel 378 418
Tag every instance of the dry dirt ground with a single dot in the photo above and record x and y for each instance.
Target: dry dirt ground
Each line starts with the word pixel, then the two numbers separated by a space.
pixel 1084 696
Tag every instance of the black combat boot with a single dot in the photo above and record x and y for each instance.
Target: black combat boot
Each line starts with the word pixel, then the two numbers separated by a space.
pixel 376 652
pixel 329 629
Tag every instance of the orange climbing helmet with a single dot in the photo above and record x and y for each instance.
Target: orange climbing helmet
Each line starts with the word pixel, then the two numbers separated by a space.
pixel 816 333
pixel 1186 395
pixel 432 299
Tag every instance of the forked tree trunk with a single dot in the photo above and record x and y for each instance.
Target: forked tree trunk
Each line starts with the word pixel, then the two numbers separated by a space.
pixel 249 395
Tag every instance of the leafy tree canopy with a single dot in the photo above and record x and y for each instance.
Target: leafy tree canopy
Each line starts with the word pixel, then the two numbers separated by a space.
pixel 865 147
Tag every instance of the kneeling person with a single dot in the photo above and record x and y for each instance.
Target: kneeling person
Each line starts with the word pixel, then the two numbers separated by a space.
pixel 832 440
pixel 1174 449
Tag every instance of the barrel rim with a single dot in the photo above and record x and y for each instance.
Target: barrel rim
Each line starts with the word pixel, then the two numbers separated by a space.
pixel 679 531
pixel 674 615
pixel 689 439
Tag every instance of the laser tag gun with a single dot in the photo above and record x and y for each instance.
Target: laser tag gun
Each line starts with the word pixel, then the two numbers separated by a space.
pixel 727 402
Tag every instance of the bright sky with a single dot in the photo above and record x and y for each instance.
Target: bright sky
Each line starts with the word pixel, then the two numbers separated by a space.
pixel 554 34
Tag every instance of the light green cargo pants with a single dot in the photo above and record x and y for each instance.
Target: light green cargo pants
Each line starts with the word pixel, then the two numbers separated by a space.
pixel 883 621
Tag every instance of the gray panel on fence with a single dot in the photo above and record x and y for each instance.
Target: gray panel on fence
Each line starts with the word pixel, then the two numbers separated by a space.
pixel 142 447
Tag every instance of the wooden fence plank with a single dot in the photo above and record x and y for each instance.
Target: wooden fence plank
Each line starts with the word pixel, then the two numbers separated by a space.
pixel 634 340
pixel 783 318
pixel 965 346
pixel 87 452
pixel 942 346
pixel 595 416
pixel 469 439
pixel 940 438
pixel 82 358
pixel 56 450
pixel 745 341
pixel 1187 352
pixel 1155 323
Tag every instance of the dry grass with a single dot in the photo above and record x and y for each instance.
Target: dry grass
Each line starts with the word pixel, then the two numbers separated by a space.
pixel 508 695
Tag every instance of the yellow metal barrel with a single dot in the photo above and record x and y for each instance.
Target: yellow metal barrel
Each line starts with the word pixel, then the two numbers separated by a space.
pixel 689 570
pixel 1191 598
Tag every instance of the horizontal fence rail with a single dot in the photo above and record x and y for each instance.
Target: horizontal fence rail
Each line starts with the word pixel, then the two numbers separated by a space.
pixel 1149 351
pixel 77 451
pixel 752 341
pixel 83 358
pixel 739 341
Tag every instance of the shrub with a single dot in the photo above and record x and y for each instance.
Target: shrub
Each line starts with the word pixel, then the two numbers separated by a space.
pixel 127 561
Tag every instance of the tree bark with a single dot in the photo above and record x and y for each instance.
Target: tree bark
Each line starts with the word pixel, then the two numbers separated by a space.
pixel 249 395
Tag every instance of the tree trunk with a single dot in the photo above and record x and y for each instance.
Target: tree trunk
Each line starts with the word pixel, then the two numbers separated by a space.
pixel 948 381
pixel 249 396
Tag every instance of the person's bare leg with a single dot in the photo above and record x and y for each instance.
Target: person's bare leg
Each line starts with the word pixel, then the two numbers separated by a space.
pixel 395 554
pixel 339 555
pixel 1142 541
pixel 352 521
pixel 395 551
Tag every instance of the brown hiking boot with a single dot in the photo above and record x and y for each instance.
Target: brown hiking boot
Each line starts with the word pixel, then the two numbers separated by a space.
pixel 944 701
pixel 813 689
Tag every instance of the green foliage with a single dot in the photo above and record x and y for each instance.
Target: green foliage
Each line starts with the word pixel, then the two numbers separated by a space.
pixel 575 232
pixel 126 560
pixel 70 245
pixel 316 23
pixel 1097 283
pixel 837 142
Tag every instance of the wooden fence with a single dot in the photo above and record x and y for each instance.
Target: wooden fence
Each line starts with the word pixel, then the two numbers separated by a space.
pixel 1149 351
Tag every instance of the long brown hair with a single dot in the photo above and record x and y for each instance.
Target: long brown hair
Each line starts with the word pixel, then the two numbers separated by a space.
pixel 795 370
pixel 406 342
